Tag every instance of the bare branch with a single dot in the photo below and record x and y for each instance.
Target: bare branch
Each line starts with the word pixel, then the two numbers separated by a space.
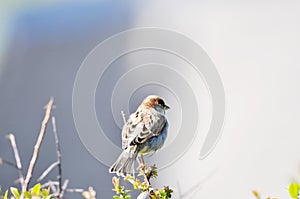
pixel 75 190
pixel 58 153
pixel 63 188
pixel 194 189
pixel 17 181
pixel 3 161
pixel 47 171
pixel 13 143
pixel 123 116
pixel 52 185
pixel 179 189
pixel 35 154
pixel 47 184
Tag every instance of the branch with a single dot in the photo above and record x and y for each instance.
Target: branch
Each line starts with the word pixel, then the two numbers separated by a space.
pixel 52 185
pixel 194 189
pixel 123 116
pixel 3 161
pixel 58 152
pixel 35 154
pixel 76 190
pixel 63 188
pixel 13 143
pixel 45 173
pixel 148 172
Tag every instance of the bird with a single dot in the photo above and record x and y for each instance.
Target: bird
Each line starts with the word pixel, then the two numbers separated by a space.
pixel 144 133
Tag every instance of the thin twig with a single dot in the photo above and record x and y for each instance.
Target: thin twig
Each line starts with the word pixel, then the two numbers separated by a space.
pixel 35 154
pixel 63 188
pixel 49 183
pixel 52 185
pixel 13 143
pixel 17 181
pixel 143 167
pixel 75 190
pixel 123 116
pixel 3 161
pixel 58 152
pixel 194 189
pixel 178 189
pixel 47 171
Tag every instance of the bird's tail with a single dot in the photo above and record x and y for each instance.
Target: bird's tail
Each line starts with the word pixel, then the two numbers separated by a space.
pixel 124 164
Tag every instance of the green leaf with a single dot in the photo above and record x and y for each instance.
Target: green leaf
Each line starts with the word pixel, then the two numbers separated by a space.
pixel 27 195
pixel 50 197
pixel 36 190
pixel 116 197
pixel 45 192
pixel 294 190
pixel 15 192
pixel 6 195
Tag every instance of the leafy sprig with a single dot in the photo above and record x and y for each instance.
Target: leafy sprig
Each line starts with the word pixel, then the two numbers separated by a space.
pixel 36 192
pixel 149 172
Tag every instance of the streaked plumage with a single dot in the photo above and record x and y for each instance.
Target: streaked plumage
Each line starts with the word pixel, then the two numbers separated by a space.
pixel 145 132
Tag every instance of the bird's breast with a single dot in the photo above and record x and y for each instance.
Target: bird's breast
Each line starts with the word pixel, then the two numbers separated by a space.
pixel 153 144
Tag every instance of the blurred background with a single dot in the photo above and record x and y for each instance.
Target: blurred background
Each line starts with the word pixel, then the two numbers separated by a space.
pixel 254 45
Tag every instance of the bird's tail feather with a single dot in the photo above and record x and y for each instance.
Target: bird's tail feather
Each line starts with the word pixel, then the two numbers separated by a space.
pixel 124 164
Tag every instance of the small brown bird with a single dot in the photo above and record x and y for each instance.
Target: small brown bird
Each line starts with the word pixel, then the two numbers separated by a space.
pixel 144 133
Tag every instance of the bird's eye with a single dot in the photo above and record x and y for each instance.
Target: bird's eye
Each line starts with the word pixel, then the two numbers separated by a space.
pixel 161 102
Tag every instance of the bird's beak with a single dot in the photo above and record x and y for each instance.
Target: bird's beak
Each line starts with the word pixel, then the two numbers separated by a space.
pixel 166 107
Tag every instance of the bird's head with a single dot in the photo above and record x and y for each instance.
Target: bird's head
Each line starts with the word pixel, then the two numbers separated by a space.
pixel 153 101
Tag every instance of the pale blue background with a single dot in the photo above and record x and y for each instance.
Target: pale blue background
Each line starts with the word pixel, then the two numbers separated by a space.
pixel 254 45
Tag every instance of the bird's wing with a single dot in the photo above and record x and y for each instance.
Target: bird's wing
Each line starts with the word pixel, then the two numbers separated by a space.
pixel 141 126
